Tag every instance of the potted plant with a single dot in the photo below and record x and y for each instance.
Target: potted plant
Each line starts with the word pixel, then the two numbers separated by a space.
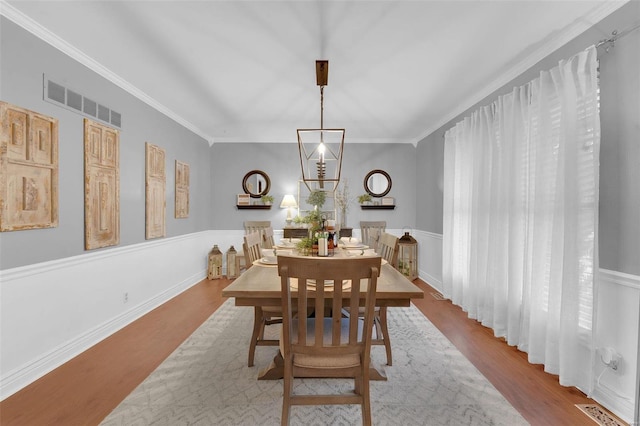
pixel 305 246
pixel 314 219
pixel 267 200
pixel 317 198
pixel 364 199
pixel 298 220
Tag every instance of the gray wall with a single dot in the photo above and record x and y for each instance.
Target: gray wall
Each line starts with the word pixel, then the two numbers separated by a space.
pixel 430 159
pixel 217 171
pixel 230 162
pixel 619 231
pixel 25 59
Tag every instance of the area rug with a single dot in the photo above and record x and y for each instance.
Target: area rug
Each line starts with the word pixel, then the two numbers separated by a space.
pixel 206 381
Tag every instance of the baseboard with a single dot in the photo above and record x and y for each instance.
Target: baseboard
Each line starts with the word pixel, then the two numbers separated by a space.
pixel 434 282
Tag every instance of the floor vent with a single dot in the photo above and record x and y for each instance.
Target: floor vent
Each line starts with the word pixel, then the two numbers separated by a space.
pixel 438 296
pixel 600 416
pixel 74 101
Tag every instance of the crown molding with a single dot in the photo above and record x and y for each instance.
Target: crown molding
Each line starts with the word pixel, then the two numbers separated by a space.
pixel 47 36
pixel 565 36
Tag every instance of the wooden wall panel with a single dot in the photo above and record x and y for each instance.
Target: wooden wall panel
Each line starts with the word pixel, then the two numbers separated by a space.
pixel 28 169
pixel 155 191
pixel 182 190
pixel 101 185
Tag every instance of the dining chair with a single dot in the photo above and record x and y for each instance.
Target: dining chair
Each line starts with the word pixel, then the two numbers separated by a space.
pixel 250 226
pixel 265 315
pixel 252 247
pixel 267 238
pixel 388 250
pixel 256 225
pixel 327 345
pixel 371 231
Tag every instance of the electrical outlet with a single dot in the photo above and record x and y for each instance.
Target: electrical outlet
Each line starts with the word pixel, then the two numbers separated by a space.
pixel 610 357
pixel 126 297
pixel 615 360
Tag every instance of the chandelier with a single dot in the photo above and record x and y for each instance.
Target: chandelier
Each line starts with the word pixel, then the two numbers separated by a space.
pixel 321 149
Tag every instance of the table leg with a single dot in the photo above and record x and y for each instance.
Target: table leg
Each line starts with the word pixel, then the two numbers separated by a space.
pixel 275 370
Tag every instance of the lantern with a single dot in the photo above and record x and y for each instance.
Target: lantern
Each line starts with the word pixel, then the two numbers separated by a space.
pixel 232 271
pixel 215 263
pixel 408 256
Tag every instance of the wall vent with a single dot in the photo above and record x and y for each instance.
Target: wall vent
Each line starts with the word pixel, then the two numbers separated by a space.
pixel 74 100
pixel 90 107
pixel 116 118
pixel 56 92
pixel 63 96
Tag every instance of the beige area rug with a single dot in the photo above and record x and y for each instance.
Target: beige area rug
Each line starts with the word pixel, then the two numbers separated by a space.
pixel 206 381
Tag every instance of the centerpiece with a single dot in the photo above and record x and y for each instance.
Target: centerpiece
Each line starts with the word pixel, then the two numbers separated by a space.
pixel 314 220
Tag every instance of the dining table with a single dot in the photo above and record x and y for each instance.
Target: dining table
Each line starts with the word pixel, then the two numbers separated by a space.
pixel 259 285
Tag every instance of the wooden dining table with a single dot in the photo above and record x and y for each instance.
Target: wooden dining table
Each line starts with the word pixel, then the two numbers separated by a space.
pixel 260 286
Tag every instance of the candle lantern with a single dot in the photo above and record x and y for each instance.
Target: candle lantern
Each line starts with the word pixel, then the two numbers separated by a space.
pixel 408 256
pixel 232 272
pixel 215 263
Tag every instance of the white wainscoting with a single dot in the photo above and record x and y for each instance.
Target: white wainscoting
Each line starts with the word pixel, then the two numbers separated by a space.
pixel 617 327
pixel 429 257
pixel 52 311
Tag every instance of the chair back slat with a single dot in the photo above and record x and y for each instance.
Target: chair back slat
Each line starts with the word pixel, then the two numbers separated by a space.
pixel 251 226
pixel 388 248
pixel 252 248
pixel 371 231
pixel 267 238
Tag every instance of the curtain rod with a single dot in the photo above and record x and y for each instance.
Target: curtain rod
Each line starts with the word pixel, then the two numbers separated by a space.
pixel 611 41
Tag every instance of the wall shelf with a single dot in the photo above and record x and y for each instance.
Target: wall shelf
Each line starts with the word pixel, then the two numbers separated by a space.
pixel 253 207
pixel 377 207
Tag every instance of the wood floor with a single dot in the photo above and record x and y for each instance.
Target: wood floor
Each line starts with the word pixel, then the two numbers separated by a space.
pixel 86 389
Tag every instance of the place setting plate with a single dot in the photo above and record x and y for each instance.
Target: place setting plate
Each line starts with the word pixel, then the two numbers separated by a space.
pixel 288 243
pixel 353 247
pixel 266 262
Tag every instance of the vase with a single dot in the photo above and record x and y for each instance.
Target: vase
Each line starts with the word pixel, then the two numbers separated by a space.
pixel 343 219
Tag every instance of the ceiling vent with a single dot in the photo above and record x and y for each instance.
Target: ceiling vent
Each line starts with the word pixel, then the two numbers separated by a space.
pixel 63 96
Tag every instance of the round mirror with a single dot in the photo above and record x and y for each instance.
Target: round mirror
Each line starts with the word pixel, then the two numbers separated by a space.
pixel 256 183
pixel 377 183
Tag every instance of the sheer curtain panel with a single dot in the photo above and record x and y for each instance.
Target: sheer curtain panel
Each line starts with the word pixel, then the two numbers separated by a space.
pixel 520 217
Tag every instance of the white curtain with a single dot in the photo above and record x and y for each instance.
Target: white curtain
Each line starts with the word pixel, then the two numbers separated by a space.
pixel 520 217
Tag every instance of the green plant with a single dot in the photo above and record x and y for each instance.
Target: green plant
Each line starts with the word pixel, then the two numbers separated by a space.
pixel 304 246
pixel 298 220
pixel 364 198
pixel 314 219
pixel 266 199
pixel 317 198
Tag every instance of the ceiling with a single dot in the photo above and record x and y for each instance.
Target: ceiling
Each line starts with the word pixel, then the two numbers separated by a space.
pixel 244 71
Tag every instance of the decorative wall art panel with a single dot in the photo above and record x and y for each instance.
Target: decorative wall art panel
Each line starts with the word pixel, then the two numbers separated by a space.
pixel 28 169
pixel 182 190
pixel 155 191
pixel 101 185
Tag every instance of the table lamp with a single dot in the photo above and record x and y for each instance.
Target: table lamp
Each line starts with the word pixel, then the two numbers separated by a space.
pixel 288 202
